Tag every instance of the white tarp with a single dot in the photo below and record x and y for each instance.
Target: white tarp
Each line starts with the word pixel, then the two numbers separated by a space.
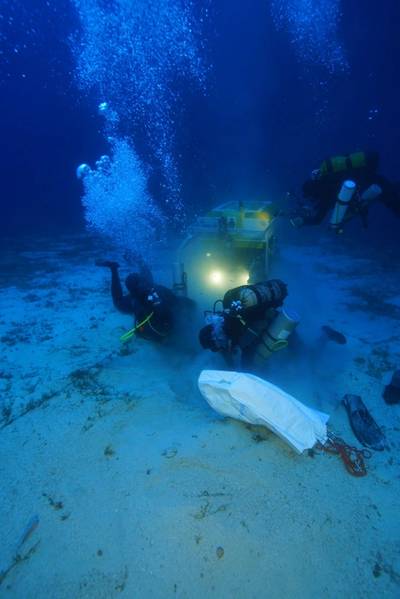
pixel 251 399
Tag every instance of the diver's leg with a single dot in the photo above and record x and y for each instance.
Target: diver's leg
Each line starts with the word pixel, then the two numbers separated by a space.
pixel 391 197
pixel 315 214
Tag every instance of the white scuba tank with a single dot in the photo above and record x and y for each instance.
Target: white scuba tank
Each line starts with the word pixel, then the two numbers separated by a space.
pixel 371 193
pixel 345 195
pixel 276 336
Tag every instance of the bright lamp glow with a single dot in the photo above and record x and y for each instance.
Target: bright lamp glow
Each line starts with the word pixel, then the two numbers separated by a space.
pixel 216 277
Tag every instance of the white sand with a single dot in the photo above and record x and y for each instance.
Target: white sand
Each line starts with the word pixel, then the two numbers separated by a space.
pixel 142 491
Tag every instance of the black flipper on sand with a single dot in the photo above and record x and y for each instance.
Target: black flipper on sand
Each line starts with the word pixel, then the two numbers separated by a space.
pixel 364 426
pixel 334 335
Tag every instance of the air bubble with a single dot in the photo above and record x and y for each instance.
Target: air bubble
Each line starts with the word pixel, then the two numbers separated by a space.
pixel 312 26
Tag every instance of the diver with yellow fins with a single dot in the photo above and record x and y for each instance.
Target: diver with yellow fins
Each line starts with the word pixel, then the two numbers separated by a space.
pixel 249 328
pixel 347 186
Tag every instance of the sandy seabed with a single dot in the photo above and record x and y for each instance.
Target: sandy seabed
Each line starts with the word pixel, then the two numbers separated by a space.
pixel 138 489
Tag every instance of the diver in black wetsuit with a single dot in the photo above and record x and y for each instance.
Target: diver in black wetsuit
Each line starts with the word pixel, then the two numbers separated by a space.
pixel 241 330
pixel 322 189
pixel 153 305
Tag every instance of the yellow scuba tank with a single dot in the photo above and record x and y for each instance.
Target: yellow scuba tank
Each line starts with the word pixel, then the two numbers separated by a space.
pixel 337 164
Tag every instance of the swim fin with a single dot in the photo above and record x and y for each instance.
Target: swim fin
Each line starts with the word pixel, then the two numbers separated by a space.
pixel 334 335
pixel 364 426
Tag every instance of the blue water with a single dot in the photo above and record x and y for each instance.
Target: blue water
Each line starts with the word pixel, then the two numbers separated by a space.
pixel 252 107
pixel 134 486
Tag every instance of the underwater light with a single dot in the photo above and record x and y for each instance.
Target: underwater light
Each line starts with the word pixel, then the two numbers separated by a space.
pixel 263 215
pixel 216 277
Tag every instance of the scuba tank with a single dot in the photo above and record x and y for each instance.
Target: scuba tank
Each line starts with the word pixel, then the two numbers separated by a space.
pixel 246 308
pixel 371 193
pixel 345 195
pixel 256 298
pixel 276 335
pixel 357 160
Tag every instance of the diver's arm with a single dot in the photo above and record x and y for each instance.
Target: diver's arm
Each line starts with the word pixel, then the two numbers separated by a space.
pixel 316 214
pixel 116 287
pixel 122 302
pixel 318 197
pixel 233 357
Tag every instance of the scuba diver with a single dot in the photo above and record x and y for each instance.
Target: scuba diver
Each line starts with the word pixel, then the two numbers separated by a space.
pixel 153 306
pixel 347 185
pixel 249 328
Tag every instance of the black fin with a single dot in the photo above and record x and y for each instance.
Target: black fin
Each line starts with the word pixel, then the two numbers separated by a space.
pixel 364 426
pixel 334 335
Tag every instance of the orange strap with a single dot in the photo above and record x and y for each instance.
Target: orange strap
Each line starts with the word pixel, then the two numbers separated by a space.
pixel 352 458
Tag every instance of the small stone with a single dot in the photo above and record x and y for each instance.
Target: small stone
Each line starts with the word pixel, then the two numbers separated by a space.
pixel 109 451
pixel 377 571
pixel 220 552
pixel 170 452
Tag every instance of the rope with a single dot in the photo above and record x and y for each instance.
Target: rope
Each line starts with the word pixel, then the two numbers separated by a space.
pixel 352 457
